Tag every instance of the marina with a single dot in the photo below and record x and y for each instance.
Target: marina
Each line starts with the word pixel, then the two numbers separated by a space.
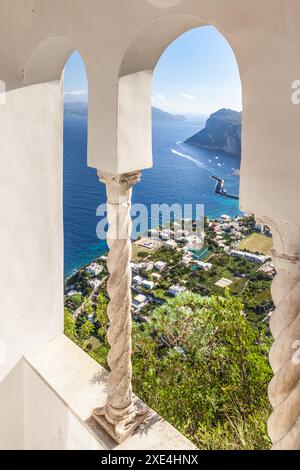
pixel 220 188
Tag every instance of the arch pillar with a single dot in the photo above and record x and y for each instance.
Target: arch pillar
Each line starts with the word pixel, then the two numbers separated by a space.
pixel 284 388
pixel 126 145
pixel 121 415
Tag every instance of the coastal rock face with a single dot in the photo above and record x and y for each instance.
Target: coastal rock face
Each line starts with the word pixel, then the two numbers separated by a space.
pixel 222 132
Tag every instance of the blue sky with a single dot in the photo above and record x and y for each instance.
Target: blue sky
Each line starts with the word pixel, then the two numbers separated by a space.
pixel 197 74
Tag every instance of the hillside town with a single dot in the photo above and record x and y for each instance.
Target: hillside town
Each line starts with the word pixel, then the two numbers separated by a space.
pixel 233 254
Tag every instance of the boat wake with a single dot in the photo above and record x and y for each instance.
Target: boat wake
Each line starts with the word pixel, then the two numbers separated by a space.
pixel 191 159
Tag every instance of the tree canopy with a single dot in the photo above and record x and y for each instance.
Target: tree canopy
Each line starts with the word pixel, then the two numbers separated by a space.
pixel 201 365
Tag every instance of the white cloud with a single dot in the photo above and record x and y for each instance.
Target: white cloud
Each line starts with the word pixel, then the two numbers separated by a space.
pixel 159 100
pixel 187 97
pixel 76 93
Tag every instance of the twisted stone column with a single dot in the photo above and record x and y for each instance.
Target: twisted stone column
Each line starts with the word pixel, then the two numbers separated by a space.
pixel 120 416
pixel 284 389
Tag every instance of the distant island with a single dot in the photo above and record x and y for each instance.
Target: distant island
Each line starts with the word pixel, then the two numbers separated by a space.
pixel 159 115
pixel 222 132
pixel 79 108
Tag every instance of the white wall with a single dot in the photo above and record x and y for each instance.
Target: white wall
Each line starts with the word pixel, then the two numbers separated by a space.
pixel 31 236
pixel 134 123
pixel 12 409
pixel 62 386
pixel 49 423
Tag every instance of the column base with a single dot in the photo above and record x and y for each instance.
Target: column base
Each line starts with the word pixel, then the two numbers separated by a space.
pixel 120 431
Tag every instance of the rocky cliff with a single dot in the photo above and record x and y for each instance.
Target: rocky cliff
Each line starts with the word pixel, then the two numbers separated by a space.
pixel 222 132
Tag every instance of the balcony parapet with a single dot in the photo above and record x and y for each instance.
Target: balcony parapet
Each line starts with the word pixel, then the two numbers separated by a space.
pixel 62 386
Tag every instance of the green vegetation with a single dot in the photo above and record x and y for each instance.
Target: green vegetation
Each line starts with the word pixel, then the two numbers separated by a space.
pixel 75 301
pixel 168 256
pixel 257 243
pixel 83 332
pixel 200 360
pixel 143 254
pixel 201 365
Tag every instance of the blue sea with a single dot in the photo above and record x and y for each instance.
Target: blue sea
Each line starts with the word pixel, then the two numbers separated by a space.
pixel 181 173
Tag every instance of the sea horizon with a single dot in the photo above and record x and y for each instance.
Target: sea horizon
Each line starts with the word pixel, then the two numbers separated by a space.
pixel 181 174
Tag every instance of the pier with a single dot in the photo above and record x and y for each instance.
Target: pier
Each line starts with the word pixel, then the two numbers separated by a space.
pixel 220 188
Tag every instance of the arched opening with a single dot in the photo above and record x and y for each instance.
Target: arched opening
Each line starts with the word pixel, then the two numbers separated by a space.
pixel 47 60
pixel 81 185
pixel 234 267
pixel 199 358
pixel 82 196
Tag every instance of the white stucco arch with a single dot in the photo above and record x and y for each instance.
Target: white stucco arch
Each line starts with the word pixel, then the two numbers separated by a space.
pixel 146 48
pixel 32 119
pixel 164 3
pixel 135 86
pixel 47 61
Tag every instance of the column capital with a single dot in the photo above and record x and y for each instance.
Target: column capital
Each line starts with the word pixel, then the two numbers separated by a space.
pixel 126 180
pixel 118 187
pixel 286 238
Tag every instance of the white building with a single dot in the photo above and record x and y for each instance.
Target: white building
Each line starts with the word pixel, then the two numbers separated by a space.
pixel 137 280
pixel 220 244
pixel 194 242
pixel 176 290
pixel 139 301
pixel 135 267
pixel 236 234
pixel 147 284
pixel 204 266
pixel 95 283
pixel 94 269
pixel 160 265
pixel 268 268
pixel 225 218
pixel 187 259
pixel 154 234
pixel 166 234
pixel 260 259
pixel 171 244
pixel 156 276
pixel 148 266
